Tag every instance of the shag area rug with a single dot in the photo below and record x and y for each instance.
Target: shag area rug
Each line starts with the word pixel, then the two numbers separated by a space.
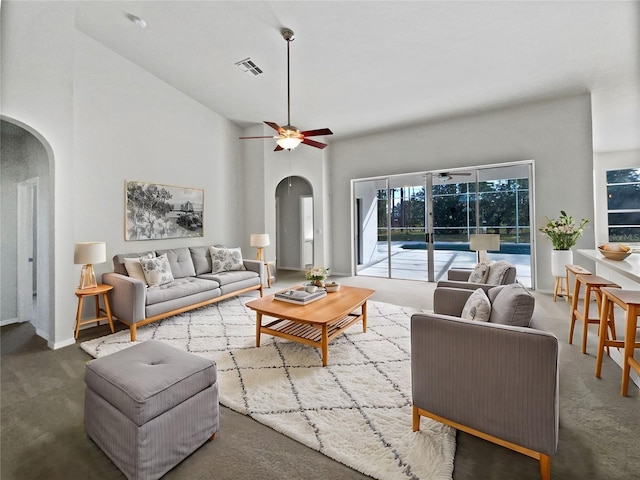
pixel 357 410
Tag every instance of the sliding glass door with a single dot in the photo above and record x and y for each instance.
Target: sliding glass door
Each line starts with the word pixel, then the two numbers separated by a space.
pixel 418 226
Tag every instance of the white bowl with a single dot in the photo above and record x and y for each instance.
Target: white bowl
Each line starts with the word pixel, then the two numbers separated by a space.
pixel 332 287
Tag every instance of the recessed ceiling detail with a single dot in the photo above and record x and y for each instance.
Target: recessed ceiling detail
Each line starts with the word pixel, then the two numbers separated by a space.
pixel 247 66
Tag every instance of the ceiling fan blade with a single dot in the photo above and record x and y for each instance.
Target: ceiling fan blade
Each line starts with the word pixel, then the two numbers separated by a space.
pixel 278 148
pixel 245 138
pixel 275 126
pixel 313 143
pixel 315 133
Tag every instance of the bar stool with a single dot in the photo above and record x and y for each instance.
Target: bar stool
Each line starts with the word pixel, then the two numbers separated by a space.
pixel 561 289
pixel 576 270
pixel 629 300
pixel 592 283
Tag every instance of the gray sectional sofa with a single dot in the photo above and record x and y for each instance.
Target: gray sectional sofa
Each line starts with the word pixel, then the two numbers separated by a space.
pixel 194 285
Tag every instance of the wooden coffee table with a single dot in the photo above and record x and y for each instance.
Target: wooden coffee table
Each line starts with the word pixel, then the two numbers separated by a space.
pixel 315 324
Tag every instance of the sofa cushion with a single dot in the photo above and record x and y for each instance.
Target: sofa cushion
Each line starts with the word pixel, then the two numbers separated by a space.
pixel 157 270
pixel 180 262
pixel 479 273
pixel 477 307
pixel 201 258
pixel 226 259
pixel 227 278
pixel 513 305
pixel 498 272
pixel 179 288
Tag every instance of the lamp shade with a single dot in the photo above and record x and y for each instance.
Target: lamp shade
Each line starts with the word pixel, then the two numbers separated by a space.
pixel 90 253
pixel 288 143
pixel 259 239
pixel 484 242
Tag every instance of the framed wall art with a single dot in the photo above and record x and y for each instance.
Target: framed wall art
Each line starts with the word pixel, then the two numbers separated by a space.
pixel 155 211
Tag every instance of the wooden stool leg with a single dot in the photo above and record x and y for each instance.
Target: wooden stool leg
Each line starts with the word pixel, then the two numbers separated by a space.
pixel 585 319
pixel 556 288
pixel 574 306
pixel 629 345
pixel 568 298
pixel 602 331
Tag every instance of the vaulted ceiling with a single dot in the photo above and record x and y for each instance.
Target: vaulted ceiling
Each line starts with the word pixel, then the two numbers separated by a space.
pixel 360 67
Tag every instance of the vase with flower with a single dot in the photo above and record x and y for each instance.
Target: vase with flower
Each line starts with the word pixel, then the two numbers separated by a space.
pixel 564 234
pixel 317 275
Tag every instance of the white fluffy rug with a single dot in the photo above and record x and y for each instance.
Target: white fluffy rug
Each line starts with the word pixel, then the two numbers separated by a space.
pixel 357 410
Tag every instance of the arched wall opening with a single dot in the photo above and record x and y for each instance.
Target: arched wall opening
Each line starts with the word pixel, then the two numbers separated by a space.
pixel 27 198
pixel 294 224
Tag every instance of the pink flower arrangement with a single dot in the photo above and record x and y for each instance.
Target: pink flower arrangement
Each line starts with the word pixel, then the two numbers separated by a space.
pixel 563 232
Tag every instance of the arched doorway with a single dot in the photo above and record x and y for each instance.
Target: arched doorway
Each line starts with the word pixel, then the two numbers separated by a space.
pixel 294 224
pixel 26 168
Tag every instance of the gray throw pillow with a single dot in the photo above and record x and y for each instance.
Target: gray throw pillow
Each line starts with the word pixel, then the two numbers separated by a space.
pixel 477 307
pixel 513 305
pixel 498 272
pixel 479 274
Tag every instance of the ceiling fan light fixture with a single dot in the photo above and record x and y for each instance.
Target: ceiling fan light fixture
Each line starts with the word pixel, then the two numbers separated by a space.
pixel 289 143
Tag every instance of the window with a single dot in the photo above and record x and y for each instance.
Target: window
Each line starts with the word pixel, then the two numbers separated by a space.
pixel 623 205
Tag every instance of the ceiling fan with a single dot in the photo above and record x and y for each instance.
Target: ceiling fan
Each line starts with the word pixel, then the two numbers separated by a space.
pixel 444 176
pixel 289 137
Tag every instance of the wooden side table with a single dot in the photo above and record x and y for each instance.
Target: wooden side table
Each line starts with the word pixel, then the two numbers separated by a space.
pixel 81 293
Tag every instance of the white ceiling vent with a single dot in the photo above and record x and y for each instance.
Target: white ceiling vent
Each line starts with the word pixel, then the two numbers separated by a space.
pixel 247 66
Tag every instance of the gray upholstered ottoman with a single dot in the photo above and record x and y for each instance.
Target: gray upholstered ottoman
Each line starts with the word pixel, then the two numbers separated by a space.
pixel 150 406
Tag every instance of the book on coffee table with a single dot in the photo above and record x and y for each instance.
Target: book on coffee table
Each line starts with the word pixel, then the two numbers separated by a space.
pixel 299 297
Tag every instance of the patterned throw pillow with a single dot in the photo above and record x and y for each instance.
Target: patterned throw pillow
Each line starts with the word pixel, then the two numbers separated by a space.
pixel 479 274
pixel 134 267
pixel 157 270
pixel 477 307
pixel 226 259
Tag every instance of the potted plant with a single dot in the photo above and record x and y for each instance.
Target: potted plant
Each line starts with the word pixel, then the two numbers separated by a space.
pixel 317 275
pixel 563 234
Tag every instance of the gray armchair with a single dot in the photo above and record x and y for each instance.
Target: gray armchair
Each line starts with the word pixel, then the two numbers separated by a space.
pixel 500 273
pixel 493 380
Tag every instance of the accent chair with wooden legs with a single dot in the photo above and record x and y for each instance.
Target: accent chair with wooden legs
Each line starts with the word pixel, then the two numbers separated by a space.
pixel 495 381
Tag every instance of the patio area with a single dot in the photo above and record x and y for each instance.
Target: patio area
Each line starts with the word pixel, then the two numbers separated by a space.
pixel 411 263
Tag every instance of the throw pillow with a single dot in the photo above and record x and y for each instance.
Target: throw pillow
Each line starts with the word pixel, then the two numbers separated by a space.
pixel 513 305
pixel 226 259
pixel 134 268
pixel 479 274
pixel 477 307
pixel 157 270
pixel 498 272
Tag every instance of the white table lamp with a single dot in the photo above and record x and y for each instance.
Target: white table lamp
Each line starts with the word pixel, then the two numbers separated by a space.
pixel 260 240
pixel 481 242
pixel 87 254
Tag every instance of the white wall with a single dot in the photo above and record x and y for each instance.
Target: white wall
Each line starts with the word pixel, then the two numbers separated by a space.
pixel 131 126
pixel 37 90
pixel 555 133
pixel 107 120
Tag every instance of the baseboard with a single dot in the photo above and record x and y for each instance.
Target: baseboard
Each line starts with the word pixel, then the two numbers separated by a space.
pixel 9 321
pixel 63 343
pixel 42 334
